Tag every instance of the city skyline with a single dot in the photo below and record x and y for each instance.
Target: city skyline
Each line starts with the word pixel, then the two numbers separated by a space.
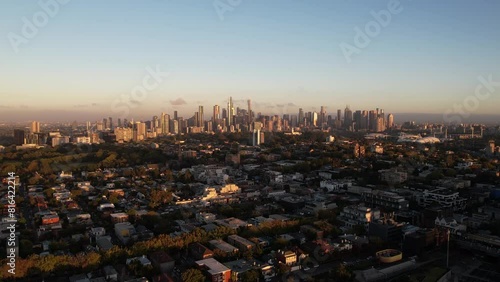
pixel 283 54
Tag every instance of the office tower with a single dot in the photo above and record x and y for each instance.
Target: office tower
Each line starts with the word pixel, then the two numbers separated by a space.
pixel 35 127
pixel 119 122
pixel 322 116
pixel 175 126
pixel 315 119
pixel 19 136
pixel 357 120
pixel 347 118
pixel 175 115
pixel 301 117
pixel 216 116
pixel 165 123
pixel 492 147
pixel 249 110
pixel 380 124
pixel 141 128
pixel 224 114
pixel 105 123
pixel 390 121
pixel 230 112
pixel 99 125
pixel 155 122
pixel 373 119
pixel 257 126
pixel 87 125
pixel 364 120
pixel 339 114
pixel 125 123
pixel 201 121
pixel 110 123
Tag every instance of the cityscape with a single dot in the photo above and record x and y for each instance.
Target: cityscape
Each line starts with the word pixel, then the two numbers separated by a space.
pixel 245 141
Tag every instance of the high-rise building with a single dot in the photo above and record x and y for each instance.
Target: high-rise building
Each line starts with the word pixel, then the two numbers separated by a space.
pixel 230 112
pixel 380 124
pixel 257 126
pixel 249 110
pixel 373 120
pixel 224 114
pixel 105 123
pixel 301 117
pixel 175 127
pixel 35 127
pixel 155 123
pixel 364 120
pixel 348 118
pixel 119 122
pixel 315 119
pixel 390 121
pixel 216 116
pixel 110 123
pixel 322 116
pixel 175 115
pixel 201 121
pixel 357 116
pixel 19 136
pixel 165 123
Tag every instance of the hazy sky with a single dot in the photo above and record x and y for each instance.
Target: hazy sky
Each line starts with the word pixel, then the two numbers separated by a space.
pixel 90 55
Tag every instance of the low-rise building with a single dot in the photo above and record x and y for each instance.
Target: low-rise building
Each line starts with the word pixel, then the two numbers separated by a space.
pixel 215 270
pixel 443 197
pixel 241 243
pixel 125 232
pixel 389 200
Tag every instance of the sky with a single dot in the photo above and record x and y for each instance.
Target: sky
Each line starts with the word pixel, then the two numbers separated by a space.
pixel 89 59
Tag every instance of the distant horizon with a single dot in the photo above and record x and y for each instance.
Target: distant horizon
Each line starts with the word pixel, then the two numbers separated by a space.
pixel 139 59
pixel 399 118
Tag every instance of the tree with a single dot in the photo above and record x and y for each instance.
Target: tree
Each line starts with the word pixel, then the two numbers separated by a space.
pixel 193 275
pixel 250 276
pixel 158 197
pixel 342 273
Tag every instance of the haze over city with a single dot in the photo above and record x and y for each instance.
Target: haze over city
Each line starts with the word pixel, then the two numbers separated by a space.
pixel 281 54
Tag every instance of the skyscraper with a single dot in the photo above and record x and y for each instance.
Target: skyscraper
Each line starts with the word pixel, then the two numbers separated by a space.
pixel 35 127
pixel 257 126
pixel 347 118
pixel 110 123
pixel 301 117
pixel 390 121
pixel 322 116
pixel 216 116
pixel 201 120
pixel 249 110
pixel 230 112
pixel 165 123
pixel 19 136
pixel 175 115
